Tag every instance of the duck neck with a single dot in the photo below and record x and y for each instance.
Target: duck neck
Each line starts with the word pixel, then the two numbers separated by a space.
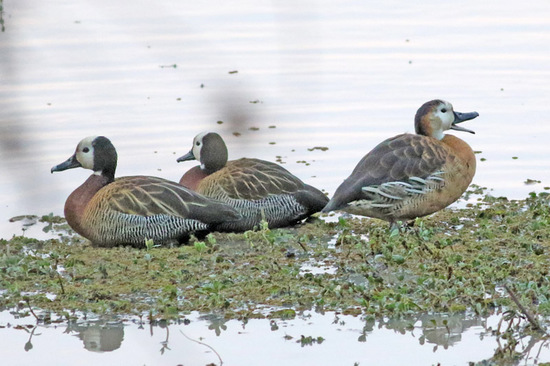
pixel 461 149
pixel 75 206
pixel 192 178
pixel 108 174
pixel 212 165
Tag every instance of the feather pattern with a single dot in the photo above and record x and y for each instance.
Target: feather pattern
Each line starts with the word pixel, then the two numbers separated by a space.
pixel 411 175
pixel 256 188
pixel 259 190
pixel 129 210
pixel 251 179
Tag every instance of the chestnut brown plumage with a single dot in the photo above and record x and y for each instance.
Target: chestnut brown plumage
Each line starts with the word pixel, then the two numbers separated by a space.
pixel 129 210
pixel 409 176
pixel 257 189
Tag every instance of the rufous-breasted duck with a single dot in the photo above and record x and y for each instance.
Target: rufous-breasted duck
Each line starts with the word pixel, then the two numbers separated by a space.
pixel 257 189
pixel 411 175
pixel 129 210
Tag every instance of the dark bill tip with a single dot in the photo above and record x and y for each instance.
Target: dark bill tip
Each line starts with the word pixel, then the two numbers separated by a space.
pixel 70 163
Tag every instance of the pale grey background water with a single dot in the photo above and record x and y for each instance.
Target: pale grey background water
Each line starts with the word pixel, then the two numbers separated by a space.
pixel 343 75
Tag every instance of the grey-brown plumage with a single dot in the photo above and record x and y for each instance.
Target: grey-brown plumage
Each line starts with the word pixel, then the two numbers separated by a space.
pixel 129 210
pixel 409 176
pixel 256 188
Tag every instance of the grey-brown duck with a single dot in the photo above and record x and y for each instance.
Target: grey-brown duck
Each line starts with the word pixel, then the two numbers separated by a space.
pixel 129 210
pixel 257 189
pixel 411 175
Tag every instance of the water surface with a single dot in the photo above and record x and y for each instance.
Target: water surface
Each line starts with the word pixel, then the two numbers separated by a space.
pixel 340 75
pixel 282 78
pixel 338 340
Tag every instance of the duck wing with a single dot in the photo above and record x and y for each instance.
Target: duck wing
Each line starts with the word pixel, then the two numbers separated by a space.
pixel 397 159
pixel 252 179
pixel 149 196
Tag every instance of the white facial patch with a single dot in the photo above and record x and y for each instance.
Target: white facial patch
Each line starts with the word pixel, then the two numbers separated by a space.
pixel 197 145
pixel 445 114
pixel 85 152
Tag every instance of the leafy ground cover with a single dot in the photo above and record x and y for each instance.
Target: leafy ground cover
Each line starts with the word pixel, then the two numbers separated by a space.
pixel 490 255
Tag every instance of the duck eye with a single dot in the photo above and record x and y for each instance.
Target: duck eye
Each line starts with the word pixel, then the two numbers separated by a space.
pixel 198 143
pixel 444 110
pixel 85 150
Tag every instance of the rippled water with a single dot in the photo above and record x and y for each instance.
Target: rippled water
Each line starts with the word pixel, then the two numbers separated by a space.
pixel 342 75
pixel 287 77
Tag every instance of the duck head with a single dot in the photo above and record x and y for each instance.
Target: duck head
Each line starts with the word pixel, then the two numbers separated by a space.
pixel 96 153
pixel 210 150
pixel 437 116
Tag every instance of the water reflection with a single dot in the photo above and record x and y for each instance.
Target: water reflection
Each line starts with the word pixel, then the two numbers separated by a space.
pixel 444 330
pixel 217 323
pixel 99 336
pixel 460 338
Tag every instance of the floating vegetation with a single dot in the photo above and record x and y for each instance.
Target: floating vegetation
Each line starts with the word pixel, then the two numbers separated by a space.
pixel 492 256
pixel 279 159
pixel 529 181
pixel 309 340
pixel 322 148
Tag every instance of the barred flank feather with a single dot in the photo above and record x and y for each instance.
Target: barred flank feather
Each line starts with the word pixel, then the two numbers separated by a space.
pixel 255 188
pixel 277 210
pixel 130 210
pixel 134 230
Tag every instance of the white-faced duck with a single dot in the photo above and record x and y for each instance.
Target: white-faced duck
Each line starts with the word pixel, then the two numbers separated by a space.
pixel 129 210
pixel 411 175
pixel 257 189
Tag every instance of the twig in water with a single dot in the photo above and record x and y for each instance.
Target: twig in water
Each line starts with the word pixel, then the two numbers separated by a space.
pixel 524 310
pixel 204 344
pixel 29 305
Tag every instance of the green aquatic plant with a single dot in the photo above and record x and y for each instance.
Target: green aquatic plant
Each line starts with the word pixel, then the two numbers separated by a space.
pixel 452 261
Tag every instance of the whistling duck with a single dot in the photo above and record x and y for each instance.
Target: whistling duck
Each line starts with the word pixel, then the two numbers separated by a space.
pixel 129 210
pixel 257 189
pixel 411 175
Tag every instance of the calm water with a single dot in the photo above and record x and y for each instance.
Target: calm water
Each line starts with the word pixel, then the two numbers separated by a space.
pixel 343 75
pixel 256 342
